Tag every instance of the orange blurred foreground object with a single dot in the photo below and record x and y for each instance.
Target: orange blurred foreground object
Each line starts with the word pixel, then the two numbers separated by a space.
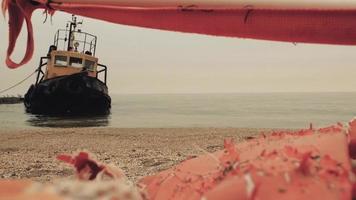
pixel 18 190
pixel 305 164
pixel 300 165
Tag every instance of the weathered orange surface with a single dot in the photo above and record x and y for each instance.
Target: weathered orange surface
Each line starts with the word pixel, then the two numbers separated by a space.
pixel 301 165
pixel 306 164
pixel 17 190
pixel 13 187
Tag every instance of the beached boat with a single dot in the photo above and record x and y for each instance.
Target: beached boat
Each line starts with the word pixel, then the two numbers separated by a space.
pixel 70 83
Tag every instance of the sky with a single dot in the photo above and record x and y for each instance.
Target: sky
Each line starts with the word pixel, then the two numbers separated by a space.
pixel 143 60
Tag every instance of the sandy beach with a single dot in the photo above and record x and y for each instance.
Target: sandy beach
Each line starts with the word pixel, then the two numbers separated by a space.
pixel 138 151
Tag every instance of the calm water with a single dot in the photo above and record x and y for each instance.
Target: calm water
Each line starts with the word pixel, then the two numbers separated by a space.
pixel 271 110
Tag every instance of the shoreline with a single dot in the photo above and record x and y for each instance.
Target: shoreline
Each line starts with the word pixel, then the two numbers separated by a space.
pixel 11 100
pixel 30 154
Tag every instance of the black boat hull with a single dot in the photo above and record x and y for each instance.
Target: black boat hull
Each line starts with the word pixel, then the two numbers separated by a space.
pixel 73 95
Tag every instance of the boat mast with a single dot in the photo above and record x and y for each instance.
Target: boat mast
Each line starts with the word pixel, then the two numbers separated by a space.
pixel 72 27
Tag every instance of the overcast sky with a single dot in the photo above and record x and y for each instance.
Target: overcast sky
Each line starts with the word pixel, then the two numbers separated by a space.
pixel 151 61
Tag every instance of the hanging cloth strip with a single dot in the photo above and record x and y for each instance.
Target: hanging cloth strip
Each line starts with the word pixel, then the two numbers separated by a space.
pixel 323 22
pixel 19 11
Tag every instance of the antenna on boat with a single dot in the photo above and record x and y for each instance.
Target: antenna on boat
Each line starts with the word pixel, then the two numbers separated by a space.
pixel 72 28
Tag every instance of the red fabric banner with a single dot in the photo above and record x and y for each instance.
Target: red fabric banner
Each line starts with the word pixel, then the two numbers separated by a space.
pixel 324 26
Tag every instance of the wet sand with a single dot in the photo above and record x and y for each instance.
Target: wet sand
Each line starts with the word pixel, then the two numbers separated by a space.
pixel 138 151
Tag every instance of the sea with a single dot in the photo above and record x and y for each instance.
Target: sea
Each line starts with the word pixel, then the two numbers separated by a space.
pixel 240 110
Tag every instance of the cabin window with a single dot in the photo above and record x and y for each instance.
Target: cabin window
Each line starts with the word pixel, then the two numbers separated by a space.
pixel 60 61
pixel 76 62
pixel 89 65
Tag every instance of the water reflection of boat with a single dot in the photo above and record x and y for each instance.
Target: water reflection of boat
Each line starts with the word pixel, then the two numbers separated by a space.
pixel 70 82
pixel 68 121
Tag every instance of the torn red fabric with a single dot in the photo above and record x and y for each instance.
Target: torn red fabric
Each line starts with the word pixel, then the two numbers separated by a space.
pixel 310 26
pixel 352 138
pixel 88 168
pixel 325 26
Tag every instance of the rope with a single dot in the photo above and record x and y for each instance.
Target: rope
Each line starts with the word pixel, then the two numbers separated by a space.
pixel 19 83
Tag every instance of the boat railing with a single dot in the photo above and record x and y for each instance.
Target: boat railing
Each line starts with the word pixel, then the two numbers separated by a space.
pixel 40 72
pixel 102 70
pixel 86 42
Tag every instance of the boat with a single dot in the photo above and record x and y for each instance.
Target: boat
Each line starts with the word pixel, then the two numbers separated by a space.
pixel 68 78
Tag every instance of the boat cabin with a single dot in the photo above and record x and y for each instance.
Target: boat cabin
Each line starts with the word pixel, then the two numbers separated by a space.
pixel 63 63
pixel 73 52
